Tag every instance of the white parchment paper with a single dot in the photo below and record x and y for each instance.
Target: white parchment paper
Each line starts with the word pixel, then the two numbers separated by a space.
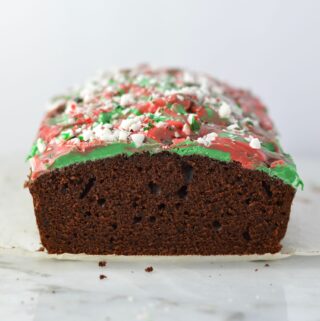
pixel 19 234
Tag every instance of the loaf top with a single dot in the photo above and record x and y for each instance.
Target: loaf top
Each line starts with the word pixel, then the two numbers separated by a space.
pixel 155 110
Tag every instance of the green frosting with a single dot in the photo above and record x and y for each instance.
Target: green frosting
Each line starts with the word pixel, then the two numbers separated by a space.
pixel 97 153
pixel 286 173
pixel 200 150
pixel 129 149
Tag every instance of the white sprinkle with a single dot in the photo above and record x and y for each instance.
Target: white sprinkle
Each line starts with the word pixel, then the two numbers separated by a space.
pixel 87 134
pixel 188 77
pixel 186 129
pixel 210 100
pixel 126 123
pixel 137 139
pixel 56 140
pixel 133 124
pixel 32 163
pixel 123 135
pixel 136 126
pixel 233 127
pixel 87 93
pixel 41 145
pixel 110 137
pixel 161 124
pixel 255 143
pixel 102 132
pixel 207 139
pixel 126 100
pixel 191 118
pixel 224 110
pixel 75 141
pixel 192 91
pixel 72 108
pixel 69 133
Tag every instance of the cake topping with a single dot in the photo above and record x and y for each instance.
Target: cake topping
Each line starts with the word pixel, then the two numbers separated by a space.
pixel 149 110
pixel 255 143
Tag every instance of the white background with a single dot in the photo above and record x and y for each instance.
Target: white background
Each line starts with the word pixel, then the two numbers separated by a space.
pixel 271 47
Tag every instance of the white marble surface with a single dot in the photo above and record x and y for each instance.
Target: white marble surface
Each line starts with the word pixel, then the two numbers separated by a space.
pixel 42 289
pixel 34 286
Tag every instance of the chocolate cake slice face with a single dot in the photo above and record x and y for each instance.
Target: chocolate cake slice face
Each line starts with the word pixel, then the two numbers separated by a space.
pixel 160 162
pixel 162 204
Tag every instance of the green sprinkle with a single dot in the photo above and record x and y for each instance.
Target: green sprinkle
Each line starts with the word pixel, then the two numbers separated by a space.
pixel 144 82
pixel 66 135
pixel 121 92
pixel 209 111
pixel 118 109
pixel 33 152
pixel 157 119
pixel 269 146
pixel 105 118
pixel 169 105
pixel 195 125
pixel 149 126
pixel 180 109
pixel 136 111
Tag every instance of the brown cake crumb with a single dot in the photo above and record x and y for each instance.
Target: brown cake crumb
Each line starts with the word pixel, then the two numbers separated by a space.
pixel 256 270
pixel 102 263
pixel 102 277
pixel 41 249
pixel 149 269
pixel 267 265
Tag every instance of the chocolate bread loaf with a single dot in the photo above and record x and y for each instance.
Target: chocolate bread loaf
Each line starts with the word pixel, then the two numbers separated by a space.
pixel 160 162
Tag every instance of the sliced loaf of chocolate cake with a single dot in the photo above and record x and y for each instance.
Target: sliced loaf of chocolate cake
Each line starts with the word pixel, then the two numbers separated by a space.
pixel 160 162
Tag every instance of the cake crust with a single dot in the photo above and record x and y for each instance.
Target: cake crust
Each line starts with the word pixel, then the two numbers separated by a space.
pixel 161 204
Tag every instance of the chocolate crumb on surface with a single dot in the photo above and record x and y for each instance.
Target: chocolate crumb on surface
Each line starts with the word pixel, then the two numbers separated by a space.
pixel 149 269
pixel 41 249
pixel 102 277
pixel 102 263
pixel 267 265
